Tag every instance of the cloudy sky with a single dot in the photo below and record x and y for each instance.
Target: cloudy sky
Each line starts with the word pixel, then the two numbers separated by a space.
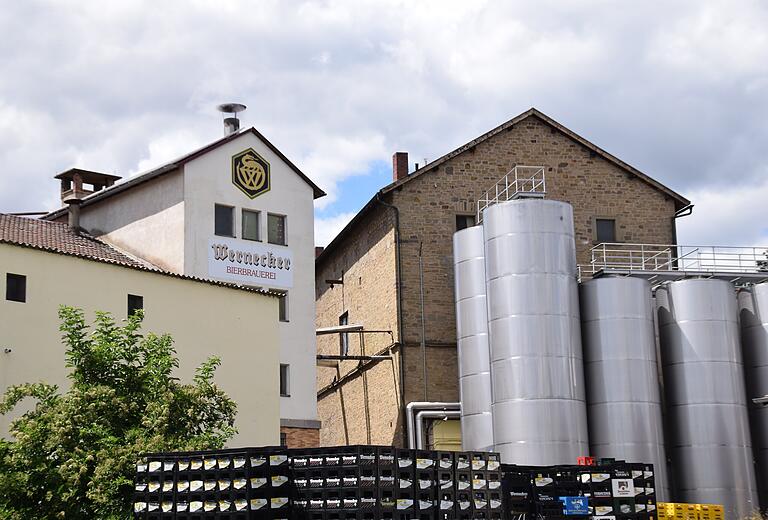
pixel 677 89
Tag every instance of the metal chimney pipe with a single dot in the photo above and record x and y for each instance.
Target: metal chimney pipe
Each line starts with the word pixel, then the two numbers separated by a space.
pixel 231 122
pixel 231 125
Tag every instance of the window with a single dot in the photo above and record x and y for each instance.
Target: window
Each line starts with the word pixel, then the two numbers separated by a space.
pixel 464 221
pixel 283 307
pixel 283 439
pixel 605 230
pixel 251 225
pixel 224 221
pixel 16 288
pixel 276 229
pixel 285 375
pixel 344 337
pixel 135 303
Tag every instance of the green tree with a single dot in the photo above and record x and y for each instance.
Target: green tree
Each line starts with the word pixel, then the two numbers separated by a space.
pixel 73 456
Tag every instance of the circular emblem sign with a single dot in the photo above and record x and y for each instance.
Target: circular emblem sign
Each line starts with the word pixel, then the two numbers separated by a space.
pixel 250 173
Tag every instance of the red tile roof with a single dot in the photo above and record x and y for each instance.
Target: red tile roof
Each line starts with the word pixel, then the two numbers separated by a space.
pixel 59 238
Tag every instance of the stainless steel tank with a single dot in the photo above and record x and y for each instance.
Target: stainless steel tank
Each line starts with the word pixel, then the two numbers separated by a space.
pixel 753 315
pixel 620 368
pixel 472 340
pixel 708 437
pixel 539 410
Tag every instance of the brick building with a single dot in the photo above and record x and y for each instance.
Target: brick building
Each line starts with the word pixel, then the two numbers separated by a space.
pixel 370 273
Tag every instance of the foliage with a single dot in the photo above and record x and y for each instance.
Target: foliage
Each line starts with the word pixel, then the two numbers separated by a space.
pixel 73 455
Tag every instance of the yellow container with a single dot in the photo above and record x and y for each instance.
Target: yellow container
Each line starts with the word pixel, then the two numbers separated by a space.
pixel 676 511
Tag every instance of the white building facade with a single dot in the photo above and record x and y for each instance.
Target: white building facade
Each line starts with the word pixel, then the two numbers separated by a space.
pixel 238 211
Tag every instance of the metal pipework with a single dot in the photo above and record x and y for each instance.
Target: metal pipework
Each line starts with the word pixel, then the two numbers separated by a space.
pixel 427 414
pixel 410 414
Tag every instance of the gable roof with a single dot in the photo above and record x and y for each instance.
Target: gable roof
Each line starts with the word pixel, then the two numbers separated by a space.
pixel 680 201
pixel 173 165
pixel 58 237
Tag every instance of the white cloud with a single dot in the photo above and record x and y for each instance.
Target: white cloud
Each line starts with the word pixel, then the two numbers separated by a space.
pixel 339 84
pixel 737 216
pixel 326 229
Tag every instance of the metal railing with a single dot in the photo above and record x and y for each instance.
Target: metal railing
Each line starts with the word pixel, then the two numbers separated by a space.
pixel 657 257
pixel 520 181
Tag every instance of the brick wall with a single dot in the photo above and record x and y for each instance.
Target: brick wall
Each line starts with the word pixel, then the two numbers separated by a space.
pixel 428 206
pixel 370 392
pixel 301 437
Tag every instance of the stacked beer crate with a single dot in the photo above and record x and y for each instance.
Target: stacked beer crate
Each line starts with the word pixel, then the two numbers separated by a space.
pixel 227 484
pixel 342 483
pixel 607 490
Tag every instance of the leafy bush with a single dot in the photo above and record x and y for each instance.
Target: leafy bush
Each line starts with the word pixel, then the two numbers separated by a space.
pixel 73 456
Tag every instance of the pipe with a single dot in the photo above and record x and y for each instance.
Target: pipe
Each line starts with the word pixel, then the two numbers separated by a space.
pixel 440 414
pixel 410 412
pixel 423 328
pixel 399 291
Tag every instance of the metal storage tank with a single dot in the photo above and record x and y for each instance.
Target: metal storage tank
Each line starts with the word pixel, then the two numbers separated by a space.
pixel 620 368
pixel 753 307
pixel 708 437
pixel 539 409
pixel 472 340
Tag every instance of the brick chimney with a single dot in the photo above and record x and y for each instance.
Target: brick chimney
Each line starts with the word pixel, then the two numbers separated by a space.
pixel 399 166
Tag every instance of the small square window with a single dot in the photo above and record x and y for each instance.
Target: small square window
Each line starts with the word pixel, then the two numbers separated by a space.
pixel 285 375
pixel 224 225
pixel 15 287
pixel 283 307
pixel 464 221
pixel 276 229
pixel 344 336
pixel 135 303
pixel 251 223
pixel 605 230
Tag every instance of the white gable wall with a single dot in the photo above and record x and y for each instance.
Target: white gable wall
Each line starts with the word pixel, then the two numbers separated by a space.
pixel 208 181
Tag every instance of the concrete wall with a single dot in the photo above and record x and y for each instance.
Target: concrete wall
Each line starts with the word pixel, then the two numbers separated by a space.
pixel 428 207
pixel 208 181
pixel 203 319
pixel 146 220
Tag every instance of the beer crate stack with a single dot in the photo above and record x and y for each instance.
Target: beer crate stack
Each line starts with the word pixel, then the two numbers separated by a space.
pixel 677 511
pixel 228 484
pixel 609 489
pixel 341 483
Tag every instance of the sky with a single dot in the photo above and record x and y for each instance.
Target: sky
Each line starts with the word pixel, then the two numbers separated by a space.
pixel 677 89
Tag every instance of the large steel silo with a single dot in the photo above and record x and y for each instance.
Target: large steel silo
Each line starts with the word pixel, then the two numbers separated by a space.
pixel 623 392
pixel 539 410
pixel 753 307
pixel 472 340
pixel 709 439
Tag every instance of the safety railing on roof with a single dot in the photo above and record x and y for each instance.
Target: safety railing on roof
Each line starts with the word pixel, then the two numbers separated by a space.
pixel 520 181
pixel 656 257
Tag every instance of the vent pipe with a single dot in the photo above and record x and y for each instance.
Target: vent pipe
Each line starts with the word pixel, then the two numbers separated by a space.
pixel 231 122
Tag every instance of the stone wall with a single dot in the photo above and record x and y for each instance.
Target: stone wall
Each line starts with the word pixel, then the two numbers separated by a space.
pixel 428 205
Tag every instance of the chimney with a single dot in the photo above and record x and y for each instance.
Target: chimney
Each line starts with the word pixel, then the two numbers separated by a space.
pixel 399 166
pixel 77 183
pixel 231 122
pixel 73 211
pixel 319 250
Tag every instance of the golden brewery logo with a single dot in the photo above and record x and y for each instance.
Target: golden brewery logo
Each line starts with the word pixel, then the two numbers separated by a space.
pixel 250 173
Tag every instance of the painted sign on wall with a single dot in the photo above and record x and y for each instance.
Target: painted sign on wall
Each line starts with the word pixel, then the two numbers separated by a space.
pixel 256 264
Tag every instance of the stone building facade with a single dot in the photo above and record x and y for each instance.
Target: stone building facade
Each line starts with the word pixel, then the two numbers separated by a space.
pixel 399 247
